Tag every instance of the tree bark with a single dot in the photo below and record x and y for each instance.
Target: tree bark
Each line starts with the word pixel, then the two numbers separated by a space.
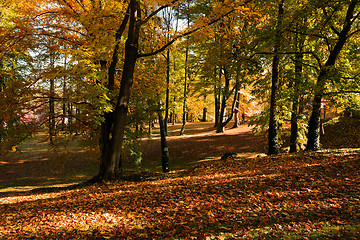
pixel 217 105
pixel 165 159
pixel 174 113
pixel 296 95
pixel 111 159
pixel 225 97
pixel 236 111
pixel 2 123
pixel 232 107
pixel 204 115
pixel 313 143
pixel 273 138
pixel 52 111
pixel 182 131
pixel 167 91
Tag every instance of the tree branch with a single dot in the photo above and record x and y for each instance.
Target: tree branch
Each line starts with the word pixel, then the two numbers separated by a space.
pixel 353 33
pixel 156 12
pixel 187 33
pixel 122 27
pixel 69 5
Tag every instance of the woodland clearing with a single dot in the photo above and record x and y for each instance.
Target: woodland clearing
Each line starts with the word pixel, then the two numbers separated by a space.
pixel 311 195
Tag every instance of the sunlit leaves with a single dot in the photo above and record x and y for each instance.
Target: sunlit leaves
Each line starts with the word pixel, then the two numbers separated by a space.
pixel 306 195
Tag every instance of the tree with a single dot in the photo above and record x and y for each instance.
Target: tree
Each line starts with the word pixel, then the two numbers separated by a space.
pixel 273 145
pixel 327 69
pixel 295 111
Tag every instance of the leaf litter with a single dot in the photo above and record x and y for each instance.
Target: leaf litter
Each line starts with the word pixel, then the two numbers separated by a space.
pixel 291 196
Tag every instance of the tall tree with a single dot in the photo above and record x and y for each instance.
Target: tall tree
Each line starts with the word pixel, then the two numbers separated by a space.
pixel 165 158
pixel 273 144
pixel 295 112
pixel 111 158
pixel 343 35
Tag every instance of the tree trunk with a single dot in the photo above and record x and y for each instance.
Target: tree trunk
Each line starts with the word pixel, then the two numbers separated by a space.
pixel 236 111
pixel 167 91
pixel 313 142
pixel 2 89
pixel 165 159
pixel 182 131
pixel 217 93
pixel 225 97
pixel 150 127
pixel 217 105
pixel 70 113
pixel 232 108
pixel 204 114
pixel 294 127
pixel 296 95
pixel 51 112
pixel 111 158
pixel 64 111
pixel 273 139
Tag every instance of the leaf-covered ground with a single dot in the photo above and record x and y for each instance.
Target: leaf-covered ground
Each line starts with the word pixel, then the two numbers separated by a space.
pixel 302 196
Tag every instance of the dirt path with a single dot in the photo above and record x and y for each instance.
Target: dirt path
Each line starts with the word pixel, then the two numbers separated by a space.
pixel 201 142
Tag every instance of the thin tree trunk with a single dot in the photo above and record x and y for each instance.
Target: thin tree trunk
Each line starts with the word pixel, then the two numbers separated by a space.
pixel 295 105
pixel 217 106
pixel 236 111
pixel 226 93
pixel 217 95
pixel 185 92
pixel 167 90
pixel 150 127
pixel 51 112
pixel 273 139
pixel 64 104
pixel 165 159
pixel 174 113
pixel 64 97
pixel 2 89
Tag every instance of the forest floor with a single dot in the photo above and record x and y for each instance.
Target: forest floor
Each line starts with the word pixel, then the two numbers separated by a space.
pixel 201 143
pixel 35 164
pixel 306 195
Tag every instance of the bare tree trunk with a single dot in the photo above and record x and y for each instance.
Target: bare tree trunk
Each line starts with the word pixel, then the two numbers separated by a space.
pixel 204 117
pixel 217 95
pixel 236 111
pixel 167 90
pixel 273 139
pixel 174 114
pixel 294 135
pixel 52 111
pixel 165 159
pixel 185 92
pixel 150 127
pixel 2 123
pixel 295 105
pixel 225 97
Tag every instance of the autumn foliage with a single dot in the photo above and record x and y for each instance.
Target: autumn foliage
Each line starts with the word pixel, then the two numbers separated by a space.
pixel 300 196
pixel 104 72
